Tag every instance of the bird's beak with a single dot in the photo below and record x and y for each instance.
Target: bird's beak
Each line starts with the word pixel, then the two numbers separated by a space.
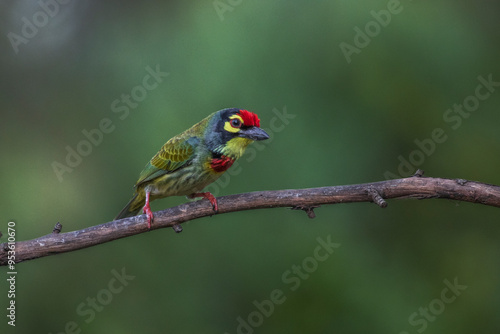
pixel 253 133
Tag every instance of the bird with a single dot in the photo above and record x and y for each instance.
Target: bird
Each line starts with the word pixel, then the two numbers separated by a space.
pixel 193 159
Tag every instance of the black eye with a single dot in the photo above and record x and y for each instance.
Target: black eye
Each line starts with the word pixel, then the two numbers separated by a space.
pixel 236 123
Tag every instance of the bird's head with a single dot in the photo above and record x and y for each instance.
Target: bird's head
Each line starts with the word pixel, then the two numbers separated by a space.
pixel 232 131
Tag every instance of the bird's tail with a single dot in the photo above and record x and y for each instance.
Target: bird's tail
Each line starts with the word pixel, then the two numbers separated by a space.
pixel 133 207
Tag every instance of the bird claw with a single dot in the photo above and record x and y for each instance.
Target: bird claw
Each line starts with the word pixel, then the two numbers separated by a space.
pixel 208 196
pixel 149 214
pixel 213 201
pixel 147 210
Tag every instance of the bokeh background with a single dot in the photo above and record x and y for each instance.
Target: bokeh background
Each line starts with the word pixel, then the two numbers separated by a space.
pixel 348 122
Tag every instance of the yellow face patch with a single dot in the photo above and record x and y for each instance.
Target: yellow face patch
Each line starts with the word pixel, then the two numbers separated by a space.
pixel 234 124
pixel 236 146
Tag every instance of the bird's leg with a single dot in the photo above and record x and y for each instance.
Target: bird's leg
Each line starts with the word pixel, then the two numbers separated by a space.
pixel 208 196
pixel 147 210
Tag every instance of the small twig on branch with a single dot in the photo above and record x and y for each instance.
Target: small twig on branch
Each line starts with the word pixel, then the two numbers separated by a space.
pixel 377 198
pixel 418 173
pixel 304 199
pixel 57 228
pixel 309 209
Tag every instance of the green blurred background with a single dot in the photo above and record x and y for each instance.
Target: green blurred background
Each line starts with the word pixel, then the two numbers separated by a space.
pixel 349 122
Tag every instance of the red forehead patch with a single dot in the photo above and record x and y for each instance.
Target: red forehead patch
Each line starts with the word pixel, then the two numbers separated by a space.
pixel 249 118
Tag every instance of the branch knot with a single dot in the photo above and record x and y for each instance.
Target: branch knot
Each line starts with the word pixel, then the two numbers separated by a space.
pixel 309 209
pixel 57 228
pixel 376 197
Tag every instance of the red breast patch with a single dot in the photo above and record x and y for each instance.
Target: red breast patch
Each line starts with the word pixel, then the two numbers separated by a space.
pixel 221 164
pixel 249 118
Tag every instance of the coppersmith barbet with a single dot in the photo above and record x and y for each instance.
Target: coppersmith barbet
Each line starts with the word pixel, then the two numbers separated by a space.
pixel 190 161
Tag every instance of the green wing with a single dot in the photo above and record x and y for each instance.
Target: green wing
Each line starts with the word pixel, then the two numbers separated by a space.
pixel 177 153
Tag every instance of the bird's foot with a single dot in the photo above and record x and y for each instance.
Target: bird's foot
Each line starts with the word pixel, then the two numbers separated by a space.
pixel 147 210
pixel 149 213
pixel 208 196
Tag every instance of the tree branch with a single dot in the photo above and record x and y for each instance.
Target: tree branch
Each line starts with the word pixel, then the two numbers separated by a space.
pixel 300 199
